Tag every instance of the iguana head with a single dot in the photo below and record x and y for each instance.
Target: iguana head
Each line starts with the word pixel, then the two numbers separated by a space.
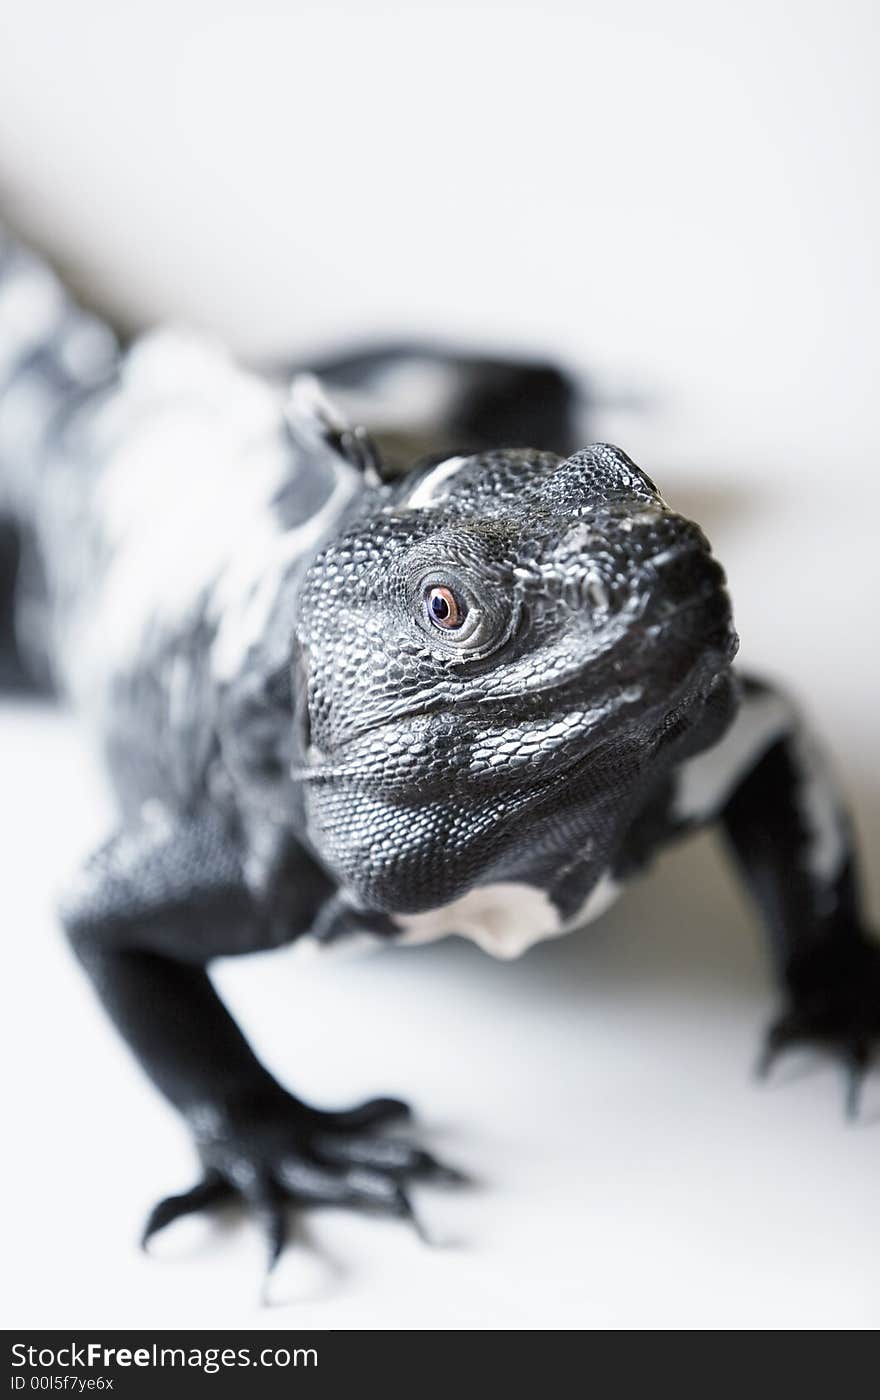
pixel 496 653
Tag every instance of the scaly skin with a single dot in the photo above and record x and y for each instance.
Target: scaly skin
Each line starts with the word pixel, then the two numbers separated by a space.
pixel 474 698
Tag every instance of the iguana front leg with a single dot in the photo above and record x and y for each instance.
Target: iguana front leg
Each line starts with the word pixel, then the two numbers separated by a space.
pixel 151 909
pixel 792 841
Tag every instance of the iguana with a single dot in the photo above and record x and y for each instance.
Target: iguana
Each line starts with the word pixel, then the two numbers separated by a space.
pixel 473 698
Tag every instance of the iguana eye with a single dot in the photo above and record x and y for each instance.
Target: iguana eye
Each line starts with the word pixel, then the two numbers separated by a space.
pixel 444 609
pixel 462 621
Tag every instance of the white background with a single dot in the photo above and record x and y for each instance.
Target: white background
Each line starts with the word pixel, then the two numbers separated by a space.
pixel 681 198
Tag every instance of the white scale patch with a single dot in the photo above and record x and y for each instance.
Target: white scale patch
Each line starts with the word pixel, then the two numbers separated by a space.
pixel 826 852
pixel 196 455
pixel 505 919
pixel 249 588
pixel 426 492
pixel 707 781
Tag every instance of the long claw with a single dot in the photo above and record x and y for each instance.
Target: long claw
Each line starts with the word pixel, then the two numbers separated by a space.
pixel 775 1041
pixel 210 1191
pixel 857 1059
pixel 304 1156
pixel 855 1053
pixel 779 1037
pixel 766 1058
pixel 268 1205
pixel 427 1167
pixel 403 1207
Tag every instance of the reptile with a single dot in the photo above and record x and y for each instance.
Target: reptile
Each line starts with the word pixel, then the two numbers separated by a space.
pixel 471 697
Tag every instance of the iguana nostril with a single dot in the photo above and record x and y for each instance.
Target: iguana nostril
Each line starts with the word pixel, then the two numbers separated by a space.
pixel 682 588
pixel 683 569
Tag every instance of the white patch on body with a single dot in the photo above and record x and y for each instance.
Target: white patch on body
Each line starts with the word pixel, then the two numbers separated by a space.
pixel 41 333
pixel 426 492
pixel 706 782
pixel 821 815
pixel 601 897
pixel 196 454
pixel 505 919
pixel 248 589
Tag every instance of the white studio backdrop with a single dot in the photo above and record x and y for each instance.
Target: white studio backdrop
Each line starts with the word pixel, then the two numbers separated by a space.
pixel 682 200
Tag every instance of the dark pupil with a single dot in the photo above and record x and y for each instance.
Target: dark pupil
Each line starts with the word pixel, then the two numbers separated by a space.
pixel 440 607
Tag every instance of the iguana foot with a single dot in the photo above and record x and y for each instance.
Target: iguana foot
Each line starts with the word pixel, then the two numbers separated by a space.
pixel 278 1152
pixel 834 1003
